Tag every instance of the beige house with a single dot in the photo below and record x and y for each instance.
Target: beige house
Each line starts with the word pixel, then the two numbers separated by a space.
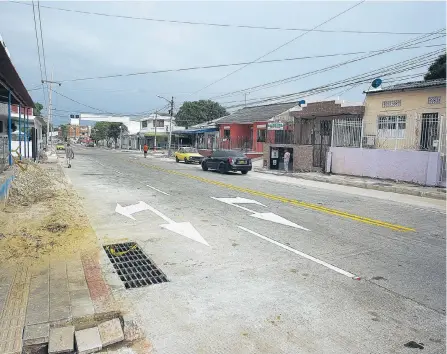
pixel 408 116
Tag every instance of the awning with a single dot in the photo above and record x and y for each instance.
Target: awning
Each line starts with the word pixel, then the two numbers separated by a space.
pixel 196 131
pixel 161 134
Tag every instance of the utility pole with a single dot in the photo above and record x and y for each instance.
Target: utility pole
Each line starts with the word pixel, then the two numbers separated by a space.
pixel 155 127
pixel 170 125
pixel 50 107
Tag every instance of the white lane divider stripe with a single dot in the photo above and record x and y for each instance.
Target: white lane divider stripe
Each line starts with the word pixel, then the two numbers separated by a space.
pixel 156 189
pixel 313 259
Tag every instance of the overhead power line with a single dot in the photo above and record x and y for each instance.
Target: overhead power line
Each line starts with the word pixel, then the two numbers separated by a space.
pixel 38 54
pixel 406 65
pixel 398 46
pixel 281 46
pixel 41 39
pixel 225 25
pixel 237 64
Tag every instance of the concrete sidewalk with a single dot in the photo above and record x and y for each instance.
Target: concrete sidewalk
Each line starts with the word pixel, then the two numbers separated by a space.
pixel 360 182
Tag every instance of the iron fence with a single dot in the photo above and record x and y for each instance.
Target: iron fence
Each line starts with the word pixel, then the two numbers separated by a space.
pixel 242 143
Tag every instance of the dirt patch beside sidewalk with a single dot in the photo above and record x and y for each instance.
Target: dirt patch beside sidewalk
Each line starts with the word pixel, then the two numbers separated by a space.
pixel 42 217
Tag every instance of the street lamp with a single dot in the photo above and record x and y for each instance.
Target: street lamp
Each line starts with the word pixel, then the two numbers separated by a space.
pixel 171 112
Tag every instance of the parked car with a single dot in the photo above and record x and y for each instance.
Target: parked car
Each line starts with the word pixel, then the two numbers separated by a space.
pixel 227 160
pixel 90 144
pixel 60 146
pixel 188 155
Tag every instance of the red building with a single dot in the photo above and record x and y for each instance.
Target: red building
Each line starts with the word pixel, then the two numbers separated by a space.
pixel 247 128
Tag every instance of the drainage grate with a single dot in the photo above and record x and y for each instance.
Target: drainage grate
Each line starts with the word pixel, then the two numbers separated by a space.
pixel 134 268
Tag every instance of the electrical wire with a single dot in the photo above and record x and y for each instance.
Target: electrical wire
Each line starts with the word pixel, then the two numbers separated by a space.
pixel 41 39
pixel 217 24
pixel 419 40
pixel 281 46
pixel 235 64
pixel 38 53
pixel 406 65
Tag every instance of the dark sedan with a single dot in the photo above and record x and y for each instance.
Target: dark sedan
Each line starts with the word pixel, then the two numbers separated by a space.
pixel 227 160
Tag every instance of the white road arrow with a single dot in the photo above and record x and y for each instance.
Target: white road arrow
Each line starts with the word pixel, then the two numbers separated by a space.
pixel 131 209
pixel 264 216
pixel 278 219
pixel 181 228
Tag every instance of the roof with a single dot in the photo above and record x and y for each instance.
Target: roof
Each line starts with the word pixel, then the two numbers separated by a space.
pixel 257 113
pixel 10 80
pixel 196 131
pixel 414 85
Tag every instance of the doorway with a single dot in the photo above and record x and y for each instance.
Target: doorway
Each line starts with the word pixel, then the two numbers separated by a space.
pixel 429 132
pixel 277 158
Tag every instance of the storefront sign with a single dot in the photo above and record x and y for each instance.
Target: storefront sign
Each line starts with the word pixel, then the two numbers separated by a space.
pixel 275 126
pixel 275 154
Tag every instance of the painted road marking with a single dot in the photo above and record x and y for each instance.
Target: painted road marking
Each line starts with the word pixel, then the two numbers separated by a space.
pixel 263 216
pixel 295 202
pixel 156 189
pixel 181 228
pixel 313 259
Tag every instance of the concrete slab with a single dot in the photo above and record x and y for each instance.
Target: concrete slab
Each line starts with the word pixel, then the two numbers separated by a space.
pixel 36 334
pixel 61 340
pixel 88 340
pixel 111 332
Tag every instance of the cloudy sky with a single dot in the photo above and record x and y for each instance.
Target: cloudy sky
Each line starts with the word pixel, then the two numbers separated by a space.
pixel 79 45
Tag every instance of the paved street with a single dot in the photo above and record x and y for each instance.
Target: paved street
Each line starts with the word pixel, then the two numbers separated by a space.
pixel 291 268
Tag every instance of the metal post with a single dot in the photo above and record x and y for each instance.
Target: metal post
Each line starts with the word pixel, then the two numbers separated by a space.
pixel 27 133
pixel 9 129
pixel 121 137
pixel 170 126
pixel 155 127
pixel 361 135
pixel 20 137
pixel 332 131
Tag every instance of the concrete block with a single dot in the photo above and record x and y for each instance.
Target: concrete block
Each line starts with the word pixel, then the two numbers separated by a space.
pixel 111 332
pixel 36 334
pixel 61 340
pixel 132 328
pixel 88 340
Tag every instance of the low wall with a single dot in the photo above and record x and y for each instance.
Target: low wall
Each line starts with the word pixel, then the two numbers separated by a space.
pixel 421 167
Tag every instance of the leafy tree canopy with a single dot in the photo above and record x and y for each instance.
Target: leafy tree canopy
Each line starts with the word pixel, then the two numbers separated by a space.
pixel 437 69
pixel 196 112
pixel 37 109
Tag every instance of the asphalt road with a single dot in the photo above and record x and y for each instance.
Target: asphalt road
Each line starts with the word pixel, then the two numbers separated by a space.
pixel 338 272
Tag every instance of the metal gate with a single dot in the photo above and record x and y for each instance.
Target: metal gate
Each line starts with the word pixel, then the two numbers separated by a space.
pixel 321 142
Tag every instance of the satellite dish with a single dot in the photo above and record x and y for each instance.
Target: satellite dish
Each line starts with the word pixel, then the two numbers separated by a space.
pixel 300 103
pixel 376 83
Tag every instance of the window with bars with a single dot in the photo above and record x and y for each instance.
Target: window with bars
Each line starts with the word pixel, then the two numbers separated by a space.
pixel 391 103
pixel 434 100
pixel 391 126
pixel 226 133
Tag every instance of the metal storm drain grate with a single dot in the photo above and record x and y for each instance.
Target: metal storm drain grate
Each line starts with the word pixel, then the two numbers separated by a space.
pixel 134 268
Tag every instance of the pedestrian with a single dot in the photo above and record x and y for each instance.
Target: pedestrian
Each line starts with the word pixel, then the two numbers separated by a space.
pixel 145 149
pixel 286 161
pixel 69 154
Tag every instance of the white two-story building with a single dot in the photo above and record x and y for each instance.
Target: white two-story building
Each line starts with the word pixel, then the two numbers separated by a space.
pixel 155 128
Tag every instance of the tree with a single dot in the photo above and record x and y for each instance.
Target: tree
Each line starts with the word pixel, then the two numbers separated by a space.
pixel 64 130
pixel 38 109
pixel 196 112
pixel 100 131
pixel 437 69
pixel 115 129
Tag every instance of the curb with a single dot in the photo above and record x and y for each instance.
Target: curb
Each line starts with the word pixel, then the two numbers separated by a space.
pixel 400 190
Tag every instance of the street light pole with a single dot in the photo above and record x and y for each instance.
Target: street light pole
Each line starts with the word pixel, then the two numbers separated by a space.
pixel 171 113
pixel 50 107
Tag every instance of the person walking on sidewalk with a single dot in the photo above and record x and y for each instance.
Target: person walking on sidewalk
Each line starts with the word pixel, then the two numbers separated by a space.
pixel 69 154
pixel 286 161
pixel 145 149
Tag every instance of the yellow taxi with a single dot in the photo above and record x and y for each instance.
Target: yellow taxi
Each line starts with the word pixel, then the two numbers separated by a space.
pixel 60 146
pixel 188 155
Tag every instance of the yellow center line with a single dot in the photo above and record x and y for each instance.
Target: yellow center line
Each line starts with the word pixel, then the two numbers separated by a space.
pixel 316 207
